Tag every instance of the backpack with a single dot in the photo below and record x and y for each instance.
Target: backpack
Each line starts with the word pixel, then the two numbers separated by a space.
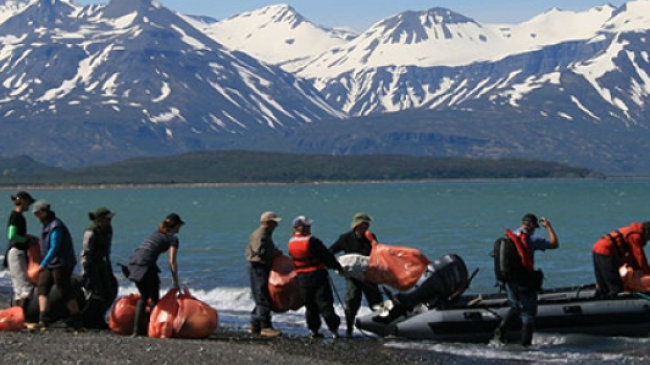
pixel 508 266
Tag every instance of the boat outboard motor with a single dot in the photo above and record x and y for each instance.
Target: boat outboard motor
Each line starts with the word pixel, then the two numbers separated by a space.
pixel 444 278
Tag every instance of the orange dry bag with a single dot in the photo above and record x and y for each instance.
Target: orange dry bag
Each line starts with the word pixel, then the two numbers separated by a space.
pixel 195 318
pixel 161 321
pixel 33 259
pixel 12 319
pixel 122 317
pixel 399 267
pixel 284 288
pixel 634 281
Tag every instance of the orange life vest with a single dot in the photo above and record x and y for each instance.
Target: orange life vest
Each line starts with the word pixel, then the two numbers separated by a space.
pixel 617 243
pixel 304 260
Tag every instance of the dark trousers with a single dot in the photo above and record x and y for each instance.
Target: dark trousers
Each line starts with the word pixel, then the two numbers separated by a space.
pixel 607 276
pixel 355 290
pixel 61 277
pixel 522 302
pixel 319 301
pixel 149 288
pixel 259 278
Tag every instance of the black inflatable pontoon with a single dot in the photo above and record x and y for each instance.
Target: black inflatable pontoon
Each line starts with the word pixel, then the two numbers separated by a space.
pixel 473 318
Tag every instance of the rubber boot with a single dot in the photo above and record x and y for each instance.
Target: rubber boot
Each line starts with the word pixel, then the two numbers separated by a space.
pixel 526 334
pixel 349 322
pixel 140 321
pixel 500 332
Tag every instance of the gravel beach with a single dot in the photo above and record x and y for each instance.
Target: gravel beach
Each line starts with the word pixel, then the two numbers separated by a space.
pixel 226 346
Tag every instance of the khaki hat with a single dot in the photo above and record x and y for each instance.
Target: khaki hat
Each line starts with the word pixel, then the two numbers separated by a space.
pixel 101 212
pixel 360 218
pixel 40 205
pixel 270 216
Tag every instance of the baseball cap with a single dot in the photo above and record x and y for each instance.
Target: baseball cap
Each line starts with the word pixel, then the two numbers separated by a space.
pixel 23 195
pixel 531 218
pixel 300 221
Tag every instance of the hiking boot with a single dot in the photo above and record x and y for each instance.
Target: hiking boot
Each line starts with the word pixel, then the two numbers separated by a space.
pixel 37 327
pixel 254 330
pixel 75 324
pixel 270 332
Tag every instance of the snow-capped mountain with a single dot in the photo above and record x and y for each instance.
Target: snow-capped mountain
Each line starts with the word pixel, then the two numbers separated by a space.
pixel 83 85
pixel 278 35
pixel 136 70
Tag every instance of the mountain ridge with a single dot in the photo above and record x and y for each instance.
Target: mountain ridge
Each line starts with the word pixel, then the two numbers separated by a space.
pixel 105 83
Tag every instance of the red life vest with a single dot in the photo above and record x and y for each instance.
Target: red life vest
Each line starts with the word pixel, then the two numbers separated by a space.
pixel 523 249
pixel 304 260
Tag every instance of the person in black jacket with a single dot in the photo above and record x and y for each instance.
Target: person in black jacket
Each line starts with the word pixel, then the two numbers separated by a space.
pixel 96 268
pixel 356 242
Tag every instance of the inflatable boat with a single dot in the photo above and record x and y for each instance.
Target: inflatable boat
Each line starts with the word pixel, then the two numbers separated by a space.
pixel 450 315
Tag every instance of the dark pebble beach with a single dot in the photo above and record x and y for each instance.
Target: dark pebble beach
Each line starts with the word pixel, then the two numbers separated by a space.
pixel 224 346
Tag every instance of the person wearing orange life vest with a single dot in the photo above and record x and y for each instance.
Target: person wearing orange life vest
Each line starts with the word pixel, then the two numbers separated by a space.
pixel 613 250
pixel 312 259
pixel 522 297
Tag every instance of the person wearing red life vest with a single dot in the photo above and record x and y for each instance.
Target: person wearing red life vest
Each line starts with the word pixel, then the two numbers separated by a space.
pixel 312 259
pixel 522 296
pixel 621 247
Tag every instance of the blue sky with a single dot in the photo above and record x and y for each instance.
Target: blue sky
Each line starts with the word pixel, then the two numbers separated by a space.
pixel 361 14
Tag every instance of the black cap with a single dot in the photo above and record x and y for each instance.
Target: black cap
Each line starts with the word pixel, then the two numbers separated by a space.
pixel 173 220
pixel 530 219
pixel 23 195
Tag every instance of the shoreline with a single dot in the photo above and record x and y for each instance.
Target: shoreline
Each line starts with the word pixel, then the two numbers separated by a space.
pixel 310 183
pixel 225 345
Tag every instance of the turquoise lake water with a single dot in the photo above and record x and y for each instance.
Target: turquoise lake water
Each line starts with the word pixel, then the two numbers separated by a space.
pixel 438 218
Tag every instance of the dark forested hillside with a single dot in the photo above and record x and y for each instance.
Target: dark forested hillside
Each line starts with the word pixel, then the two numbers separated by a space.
pixel 268 167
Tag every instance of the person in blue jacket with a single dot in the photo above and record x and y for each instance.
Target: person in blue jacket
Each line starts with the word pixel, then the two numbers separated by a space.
pixel 57 266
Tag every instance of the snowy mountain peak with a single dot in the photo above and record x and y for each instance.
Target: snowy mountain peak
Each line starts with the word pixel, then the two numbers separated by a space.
pixel 119 8
pixel 278 14
pixel 417 26
pixel 631 16
pixel 273 32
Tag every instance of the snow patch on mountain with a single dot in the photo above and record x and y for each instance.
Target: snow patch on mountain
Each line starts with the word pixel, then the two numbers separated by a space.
pixel 275 34
pixel 440 37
